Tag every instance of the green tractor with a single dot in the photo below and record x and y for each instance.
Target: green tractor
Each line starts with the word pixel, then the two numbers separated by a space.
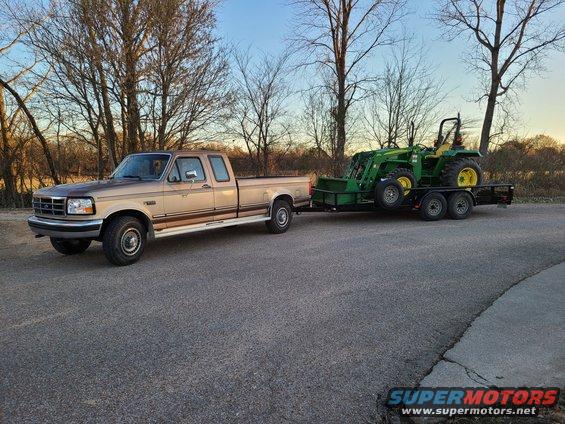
pixel 446 164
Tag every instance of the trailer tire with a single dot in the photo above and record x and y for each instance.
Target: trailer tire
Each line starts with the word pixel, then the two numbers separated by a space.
pixel 460 205
pixel 281 217
pixel 389 194
pixel 70 246
pixel 433 207
pixel 124 240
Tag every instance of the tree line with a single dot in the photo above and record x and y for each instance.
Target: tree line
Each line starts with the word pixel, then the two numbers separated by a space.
pixel 100 79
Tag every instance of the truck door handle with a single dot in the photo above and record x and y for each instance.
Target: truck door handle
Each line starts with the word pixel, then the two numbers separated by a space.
pixel 206 186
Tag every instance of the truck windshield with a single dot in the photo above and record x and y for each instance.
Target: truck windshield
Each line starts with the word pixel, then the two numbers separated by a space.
pixel 143 166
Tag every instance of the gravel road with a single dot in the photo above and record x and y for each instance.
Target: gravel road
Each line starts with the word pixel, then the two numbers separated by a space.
pixel 236 325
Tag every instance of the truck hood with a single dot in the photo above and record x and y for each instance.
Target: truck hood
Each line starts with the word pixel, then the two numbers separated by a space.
pixel 91 188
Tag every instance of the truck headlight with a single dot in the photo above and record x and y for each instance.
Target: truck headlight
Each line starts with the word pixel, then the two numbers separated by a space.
pixel 80 206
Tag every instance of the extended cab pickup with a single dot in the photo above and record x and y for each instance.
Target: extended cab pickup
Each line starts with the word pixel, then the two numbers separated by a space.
pixel 159 194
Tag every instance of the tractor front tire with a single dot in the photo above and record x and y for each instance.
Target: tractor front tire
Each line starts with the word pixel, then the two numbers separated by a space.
pixel 389 194
pixel 405 177
pixel 433 207
pixel 462 172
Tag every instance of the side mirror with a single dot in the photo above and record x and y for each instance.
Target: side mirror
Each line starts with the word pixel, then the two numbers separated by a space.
pixel 191 175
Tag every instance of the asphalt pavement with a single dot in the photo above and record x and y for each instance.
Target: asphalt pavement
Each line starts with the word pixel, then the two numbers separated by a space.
pixel 237 325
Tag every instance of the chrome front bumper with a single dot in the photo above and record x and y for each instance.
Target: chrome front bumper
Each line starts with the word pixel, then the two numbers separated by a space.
pixel 65 229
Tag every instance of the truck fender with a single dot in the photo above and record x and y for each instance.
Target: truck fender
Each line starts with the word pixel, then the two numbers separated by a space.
pixel 134 208
pixel 277 195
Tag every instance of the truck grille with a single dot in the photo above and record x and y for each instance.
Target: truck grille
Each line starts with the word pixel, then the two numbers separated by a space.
pixel 49 206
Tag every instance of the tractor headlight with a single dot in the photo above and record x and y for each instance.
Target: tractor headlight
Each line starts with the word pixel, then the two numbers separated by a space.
pixel 80 206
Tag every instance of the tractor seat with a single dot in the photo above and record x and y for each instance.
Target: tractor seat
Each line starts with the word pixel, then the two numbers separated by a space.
pixel 439 151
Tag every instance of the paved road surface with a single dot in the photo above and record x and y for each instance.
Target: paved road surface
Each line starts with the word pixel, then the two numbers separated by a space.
pixel 236 325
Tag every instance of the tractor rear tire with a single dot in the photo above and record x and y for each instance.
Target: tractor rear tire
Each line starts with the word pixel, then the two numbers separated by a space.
pixel 433 207
pixel 462 172
pixel 389 194
pixel 405 177
pixel 460 205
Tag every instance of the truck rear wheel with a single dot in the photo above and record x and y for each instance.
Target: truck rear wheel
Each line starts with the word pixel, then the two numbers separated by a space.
pixel 433 207
pixel 460 205
pixel 124 240
pixel 389 194
pixel 70 246
pixel 281 217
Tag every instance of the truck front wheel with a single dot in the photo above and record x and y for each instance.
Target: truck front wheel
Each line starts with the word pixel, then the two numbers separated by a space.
pixel 281 217
pixel 124 240
pixel 70 246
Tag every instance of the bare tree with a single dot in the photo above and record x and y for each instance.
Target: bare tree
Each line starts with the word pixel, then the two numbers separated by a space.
pixel 319 125
pixel 187 72
pixel 511 40
pixel 10 112
pixel 409 91
pixel 337 36
pixel 259 114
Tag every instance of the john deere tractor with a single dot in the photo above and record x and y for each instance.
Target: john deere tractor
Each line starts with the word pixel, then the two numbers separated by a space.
pixel 447 164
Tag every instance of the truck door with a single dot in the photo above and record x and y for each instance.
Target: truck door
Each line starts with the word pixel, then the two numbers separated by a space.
pixel 188 195
pixel 225 188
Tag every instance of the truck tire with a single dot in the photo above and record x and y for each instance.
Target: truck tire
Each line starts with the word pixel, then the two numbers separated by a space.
pixel 433 207
pixel 405 177
pixel 460 205
pixel 389 194
pixel 70 246
pixel 281 217
pixel 124 240
pixel 461 172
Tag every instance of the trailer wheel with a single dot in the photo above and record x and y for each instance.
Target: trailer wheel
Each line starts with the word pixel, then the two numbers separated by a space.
pixel 281 217
pixel 433 207
pixel 389 194
pixel 460 205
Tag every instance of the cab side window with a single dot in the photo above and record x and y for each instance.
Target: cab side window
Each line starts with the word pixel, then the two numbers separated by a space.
pixel 219 168
pixel 182 165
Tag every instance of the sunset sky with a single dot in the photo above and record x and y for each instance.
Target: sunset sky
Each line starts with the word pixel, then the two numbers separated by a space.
pixel 266 24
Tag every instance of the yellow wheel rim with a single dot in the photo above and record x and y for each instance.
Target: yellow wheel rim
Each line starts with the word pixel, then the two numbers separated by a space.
pixel 405 183
pixel 467 177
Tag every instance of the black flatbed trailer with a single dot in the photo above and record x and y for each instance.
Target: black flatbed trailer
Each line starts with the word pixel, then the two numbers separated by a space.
pixel 486 194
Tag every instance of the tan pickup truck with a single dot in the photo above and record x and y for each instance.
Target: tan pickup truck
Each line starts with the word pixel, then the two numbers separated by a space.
pixel 160 194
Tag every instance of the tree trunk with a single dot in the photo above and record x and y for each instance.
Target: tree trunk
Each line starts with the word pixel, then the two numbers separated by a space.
pixel 487 122
pixel 36 131
pixel 7 172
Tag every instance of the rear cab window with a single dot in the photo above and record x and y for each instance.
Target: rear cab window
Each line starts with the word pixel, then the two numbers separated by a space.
pixel 219 168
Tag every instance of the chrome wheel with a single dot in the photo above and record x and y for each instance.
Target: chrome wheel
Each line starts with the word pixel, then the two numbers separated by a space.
pixel 282 217
pixel 130 241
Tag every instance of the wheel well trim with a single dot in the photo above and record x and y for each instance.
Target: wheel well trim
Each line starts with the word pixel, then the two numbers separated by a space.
pixel 136 213
pixel 285 195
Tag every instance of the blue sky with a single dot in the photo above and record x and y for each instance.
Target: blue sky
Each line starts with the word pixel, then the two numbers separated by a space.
pixel 266 24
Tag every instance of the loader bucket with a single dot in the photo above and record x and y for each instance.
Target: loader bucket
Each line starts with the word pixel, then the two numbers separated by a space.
pixel 335 191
